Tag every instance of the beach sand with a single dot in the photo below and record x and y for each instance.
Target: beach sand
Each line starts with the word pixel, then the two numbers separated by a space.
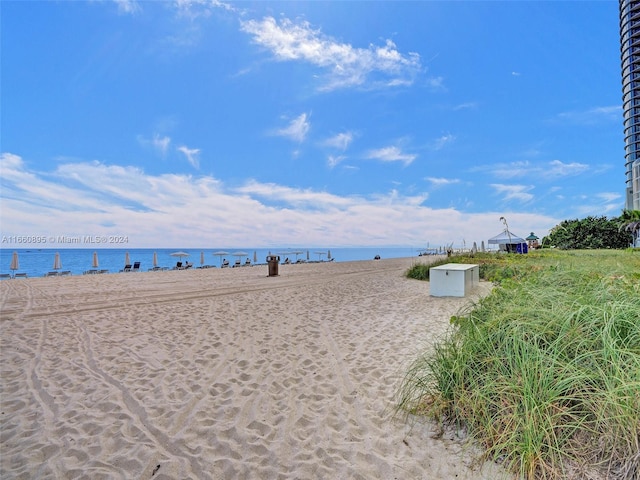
pixel 222 374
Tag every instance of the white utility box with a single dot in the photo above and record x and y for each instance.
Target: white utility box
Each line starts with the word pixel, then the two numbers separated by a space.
pixel 453 279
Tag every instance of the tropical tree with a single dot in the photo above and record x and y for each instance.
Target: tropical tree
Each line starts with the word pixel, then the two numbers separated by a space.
pixel 588 233
pixel 630 221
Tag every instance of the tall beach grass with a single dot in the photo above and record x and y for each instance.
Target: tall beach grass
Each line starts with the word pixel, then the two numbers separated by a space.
pixel 545 371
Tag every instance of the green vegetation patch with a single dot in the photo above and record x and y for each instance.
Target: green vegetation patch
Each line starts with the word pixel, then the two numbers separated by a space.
pixel 545 371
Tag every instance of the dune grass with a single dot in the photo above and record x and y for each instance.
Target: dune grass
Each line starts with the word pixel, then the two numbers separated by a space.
pixel 545 371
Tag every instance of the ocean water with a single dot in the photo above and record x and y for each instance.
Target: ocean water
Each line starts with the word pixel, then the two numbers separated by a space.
pixel 37 262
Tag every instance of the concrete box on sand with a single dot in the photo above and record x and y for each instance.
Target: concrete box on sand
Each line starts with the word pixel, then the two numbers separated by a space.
pixel 453 279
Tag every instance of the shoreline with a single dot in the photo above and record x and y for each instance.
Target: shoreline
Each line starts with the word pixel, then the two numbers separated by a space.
pixel 222 373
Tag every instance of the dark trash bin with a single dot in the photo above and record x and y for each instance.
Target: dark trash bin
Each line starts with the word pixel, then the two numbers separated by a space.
pixel 273 261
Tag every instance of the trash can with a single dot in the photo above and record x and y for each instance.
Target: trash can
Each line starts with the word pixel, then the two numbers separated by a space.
pixel 273 261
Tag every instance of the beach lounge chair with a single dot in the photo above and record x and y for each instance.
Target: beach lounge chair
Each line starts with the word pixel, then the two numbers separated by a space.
pixel 127 268
pixel 20 275
pixel 136 267
pixel 225 263
pixel 247 263
pixel 65 273
pixel 5 275
pixel 237 263
pixel 51 274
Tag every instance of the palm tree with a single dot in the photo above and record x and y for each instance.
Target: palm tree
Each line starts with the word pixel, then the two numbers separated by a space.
pixel 630 221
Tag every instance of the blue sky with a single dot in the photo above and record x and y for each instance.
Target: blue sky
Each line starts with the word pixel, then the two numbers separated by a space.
pixel 210 124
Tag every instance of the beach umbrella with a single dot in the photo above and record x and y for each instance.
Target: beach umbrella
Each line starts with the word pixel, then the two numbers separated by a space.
pixel 127 260
pixel 155 259
pixel 296 253
pixel 221 254
pixel 474 249
pixel 482 246
pixel 255 257
pixel 179 254
pixel 15 264
pixel 57 263
pixel 328 254
pixel 320 255
pixel 240 254
pixel 95 263
pixel 307 255
pixel 201 258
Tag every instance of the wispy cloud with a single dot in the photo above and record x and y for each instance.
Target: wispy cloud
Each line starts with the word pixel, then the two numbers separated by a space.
pixel 128 6
pixel 157 142
pixel 441 182
pixel 391 154
pixel 551 170
pixel 333 160
pixel 341 141
pixel 514 192
pixel 444 140
pixel 466 106
pixel 194 9
pixel 297 129
pixel 591 116
pixel 191 154
pixel 344 65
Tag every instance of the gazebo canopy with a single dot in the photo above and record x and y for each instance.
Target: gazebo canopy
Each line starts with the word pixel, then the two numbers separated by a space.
pixel 532 237
pixel 506 238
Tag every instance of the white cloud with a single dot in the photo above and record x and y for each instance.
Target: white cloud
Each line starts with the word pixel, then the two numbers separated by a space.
pixel 341 141
pixel 194 9
pixel 557 169
pixel 297 129
pixel 344 65
pixel 440 143
pixel 191 154
pixel 128 6
pixel 592 116
pixel 155 211
pixel 158 143
pixel 333 160
pixel 391 154
pixel 514 192
pixel 551 170
pixel 441 182
pixel 466 106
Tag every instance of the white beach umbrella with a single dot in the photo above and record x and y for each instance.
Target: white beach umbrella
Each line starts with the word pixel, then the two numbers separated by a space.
pixel 57 263
pixel 307 255
pixel 15 263
pixel 320 255
pixel 201 258
pixel 240 254
pixel 255 257
pixel 127 260
pixel 221 254
pixel 328 254
pixel 94 262
pixel 155 259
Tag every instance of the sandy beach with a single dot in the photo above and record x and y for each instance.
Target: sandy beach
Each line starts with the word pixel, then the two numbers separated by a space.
pixel 222 374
